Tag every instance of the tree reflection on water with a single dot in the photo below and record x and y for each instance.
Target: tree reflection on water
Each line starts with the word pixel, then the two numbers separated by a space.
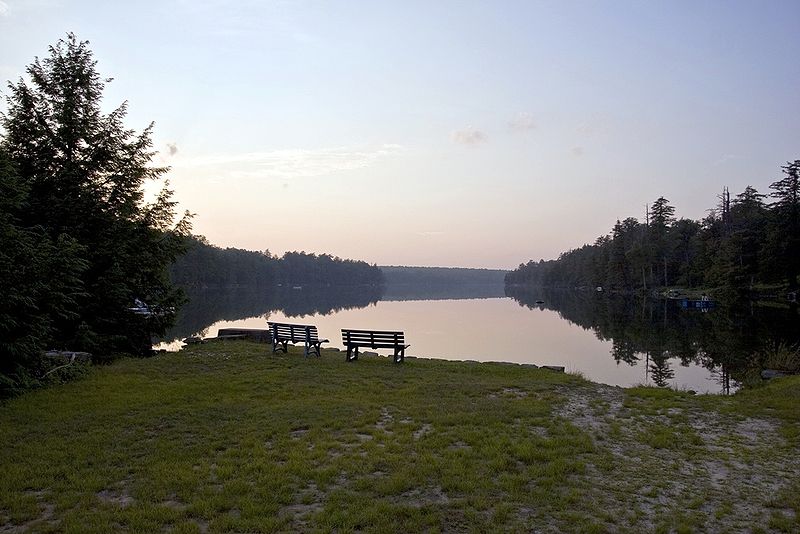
pixel 654 333
pixel 208 306
pixel 660 333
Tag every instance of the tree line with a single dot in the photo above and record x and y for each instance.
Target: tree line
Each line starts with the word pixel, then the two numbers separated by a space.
pixel 441 276
pixel 206 265
pixel 744 243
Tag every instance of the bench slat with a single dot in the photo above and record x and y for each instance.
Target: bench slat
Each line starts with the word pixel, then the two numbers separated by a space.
pixel 368 342
pixel 386 335
pixel 377 335
pixel 374 342
pixel 356 331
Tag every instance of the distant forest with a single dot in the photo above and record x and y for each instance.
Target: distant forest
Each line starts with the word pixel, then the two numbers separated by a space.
pixel 206 265
pixel 743 243
pixel 434 283
pixel 441 275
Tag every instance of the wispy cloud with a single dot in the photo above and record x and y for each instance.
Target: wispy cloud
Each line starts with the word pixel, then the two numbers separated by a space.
pixel 292 163
pixel 596 124
pixel 167 154
pixel 577 151
pixel 725 158
pixel 469 136
pixel 522 123
pixel 3 9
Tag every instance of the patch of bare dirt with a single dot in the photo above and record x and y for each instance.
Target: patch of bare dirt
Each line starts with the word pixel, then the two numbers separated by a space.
pixel 514 393
pixel 117 494
pixel 728 476
pixel 45 517
pixel 426 428
pixel 423 497
pixel 385 420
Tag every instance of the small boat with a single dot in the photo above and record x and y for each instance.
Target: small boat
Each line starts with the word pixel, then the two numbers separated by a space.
pixel 697 304
pixel 674 294
pixel 539 302
pixel 140 308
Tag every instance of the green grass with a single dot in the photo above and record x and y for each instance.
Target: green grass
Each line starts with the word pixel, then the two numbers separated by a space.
pixel 229 438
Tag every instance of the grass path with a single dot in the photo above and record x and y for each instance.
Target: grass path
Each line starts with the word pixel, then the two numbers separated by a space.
pixel 228 438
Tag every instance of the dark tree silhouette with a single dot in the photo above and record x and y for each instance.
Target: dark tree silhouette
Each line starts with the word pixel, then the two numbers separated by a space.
pixel 786 226
pixel 206 265
pixel 739 245
pixel 84 174
pixel 39 283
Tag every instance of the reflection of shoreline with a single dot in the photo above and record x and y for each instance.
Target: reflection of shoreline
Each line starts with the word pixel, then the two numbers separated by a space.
pixel 491 329
pixel 402 292
pixel 658 333
pixel 207 306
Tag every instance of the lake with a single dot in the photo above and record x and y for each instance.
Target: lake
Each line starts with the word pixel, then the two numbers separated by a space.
pixel 609 339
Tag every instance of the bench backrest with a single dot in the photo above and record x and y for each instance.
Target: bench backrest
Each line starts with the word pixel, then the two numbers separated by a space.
pixel 372 338
pixel 296 333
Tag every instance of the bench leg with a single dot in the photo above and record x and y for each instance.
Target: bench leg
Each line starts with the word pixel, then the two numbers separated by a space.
pixel 312 349
pixel 305 350
pixel 351 354
pixel 399 355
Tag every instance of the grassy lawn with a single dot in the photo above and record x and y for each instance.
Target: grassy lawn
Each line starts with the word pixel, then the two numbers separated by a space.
pixel 229 438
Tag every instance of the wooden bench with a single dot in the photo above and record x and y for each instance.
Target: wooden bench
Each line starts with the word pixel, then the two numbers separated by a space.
pixel 374 339
pixel 285 333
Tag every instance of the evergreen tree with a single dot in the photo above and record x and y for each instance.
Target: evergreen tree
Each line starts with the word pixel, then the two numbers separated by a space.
pixel 785 237
pixel 748 227
pixel 85 174
pixel 617 274
pixel 685 233
pixel 39 283
pixel 662 216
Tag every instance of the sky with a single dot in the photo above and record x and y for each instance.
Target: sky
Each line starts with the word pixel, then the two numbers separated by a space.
pixel 439 133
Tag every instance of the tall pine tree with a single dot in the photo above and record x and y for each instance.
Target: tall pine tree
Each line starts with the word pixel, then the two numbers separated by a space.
pixel 85 174
pixel 786 221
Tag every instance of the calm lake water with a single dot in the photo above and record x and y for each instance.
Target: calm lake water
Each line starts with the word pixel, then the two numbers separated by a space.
pixel 610 340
